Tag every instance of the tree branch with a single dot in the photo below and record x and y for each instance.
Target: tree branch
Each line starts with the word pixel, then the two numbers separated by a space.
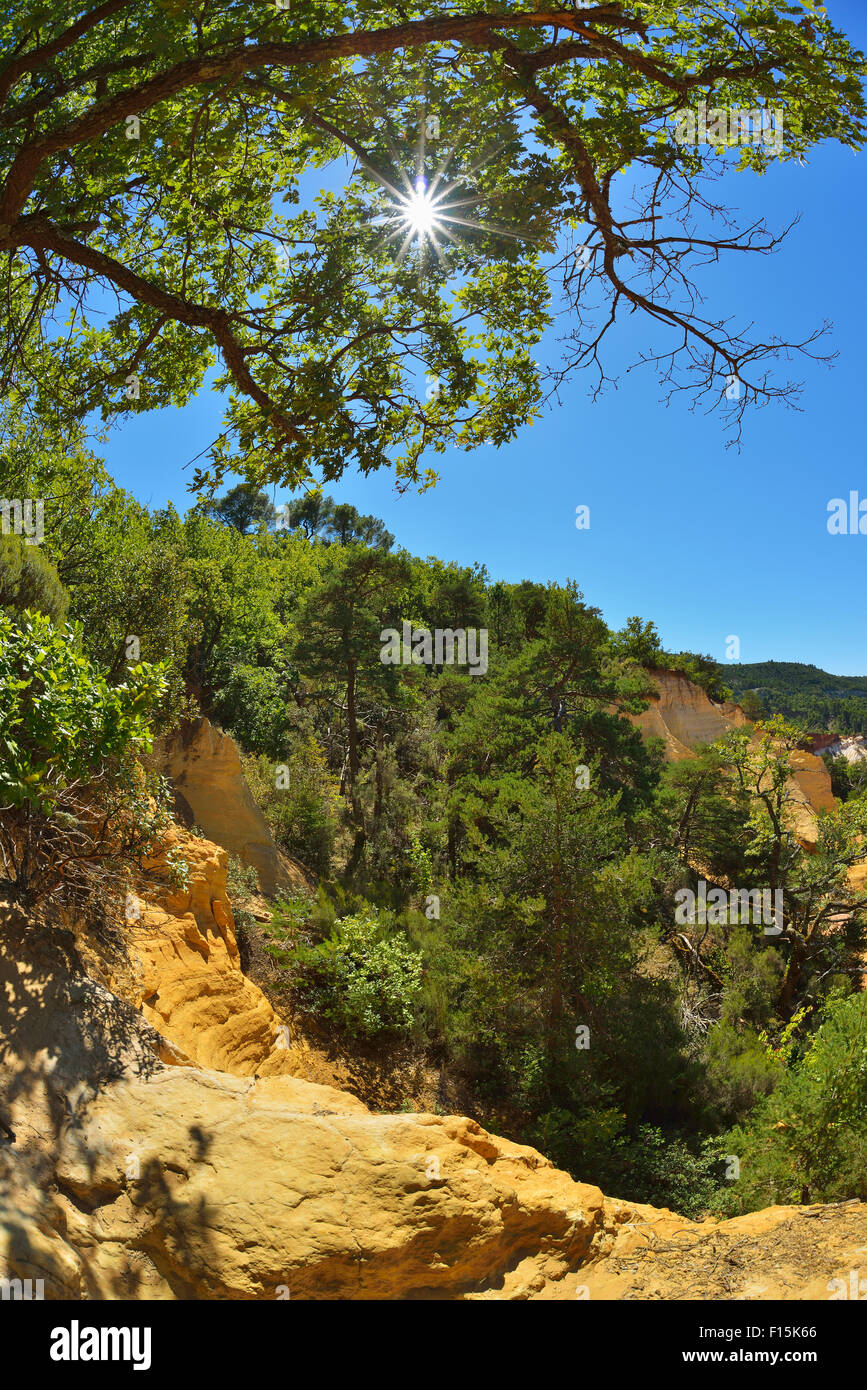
pixel 36 233
pixel 10 74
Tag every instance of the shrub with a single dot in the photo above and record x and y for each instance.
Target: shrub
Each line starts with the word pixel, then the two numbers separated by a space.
pixel 242 881
pixel 360 977
pixel 741 1065
pixel 664 1168
pixel 807 1141
pixel 29 580
pixel 73 797
pixel 178 869
pixel 301 810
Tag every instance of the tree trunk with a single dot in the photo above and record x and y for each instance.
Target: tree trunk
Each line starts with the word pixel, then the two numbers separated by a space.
pixel 352 722
pixel 379 798
pixel 354 799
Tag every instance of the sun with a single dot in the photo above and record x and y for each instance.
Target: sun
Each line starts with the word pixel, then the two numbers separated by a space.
pixel 428 208
pixel 419 210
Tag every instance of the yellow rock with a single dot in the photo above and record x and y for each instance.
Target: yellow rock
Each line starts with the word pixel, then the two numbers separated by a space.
pixel 683 716
pixel 164 1149
pixel 205 770
pixel 190 985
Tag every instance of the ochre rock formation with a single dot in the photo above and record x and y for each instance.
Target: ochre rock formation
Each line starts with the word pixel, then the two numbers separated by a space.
pixel 165 1146
pixel 188 978
pixel 194 1184
pixel 682 714
pixel 205 770
pixel 811 787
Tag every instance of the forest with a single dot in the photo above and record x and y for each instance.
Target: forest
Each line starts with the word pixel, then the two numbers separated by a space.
pixel 496 856
pixel 804 694
pixel 368 238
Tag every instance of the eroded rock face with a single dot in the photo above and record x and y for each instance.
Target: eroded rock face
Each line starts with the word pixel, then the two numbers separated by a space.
pixel 205 770
pixel 192 1184
pixel 683 716
pixel 188 980
pixel 785 1253
pixel 135 1172
pixel 811 786
pixel 247 1189
pixel 163 1145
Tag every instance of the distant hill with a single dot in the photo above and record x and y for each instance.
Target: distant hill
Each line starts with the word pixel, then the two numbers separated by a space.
pixel 803 693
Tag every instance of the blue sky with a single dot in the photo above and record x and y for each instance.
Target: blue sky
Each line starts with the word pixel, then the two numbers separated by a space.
pixel 705 541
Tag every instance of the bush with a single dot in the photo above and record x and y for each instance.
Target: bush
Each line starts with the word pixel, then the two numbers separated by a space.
pixel 360 977
pixel 664 1168
pixel 29 580
pixel 807 1142
pixel 242 881
pixel 73 798
pixel 741 1066
pixel 178 869
pixel 301 810
pixel 252 702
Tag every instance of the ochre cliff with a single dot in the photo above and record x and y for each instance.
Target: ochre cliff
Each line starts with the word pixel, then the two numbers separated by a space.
pixel 166 1146
pixel 204 768
pixel 683 716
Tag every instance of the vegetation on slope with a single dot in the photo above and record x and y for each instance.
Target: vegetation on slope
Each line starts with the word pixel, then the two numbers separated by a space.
pixel 811 697
pixel 498 852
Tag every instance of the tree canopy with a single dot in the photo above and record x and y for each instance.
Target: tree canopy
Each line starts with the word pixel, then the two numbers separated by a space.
pixel 243 507
pixel 152 219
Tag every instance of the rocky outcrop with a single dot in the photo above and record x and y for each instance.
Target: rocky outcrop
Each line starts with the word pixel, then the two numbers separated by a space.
pixel 852 747
pixel 683 716
pixel 207 1186
pixel 136 1171
pixel 193 1184
pixel 810 787
pixel 188 980
pixel 204 767
pixel 158 1141
pixel 786 1253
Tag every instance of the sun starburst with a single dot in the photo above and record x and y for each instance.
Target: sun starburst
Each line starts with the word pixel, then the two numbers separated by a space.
pixel 424 213
pixel 419 210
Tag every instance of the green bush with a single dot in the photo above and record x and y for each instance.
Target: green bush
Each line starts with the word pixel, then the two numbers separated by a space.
pixel 73 798
pixel 253 702
pixel 741 1067
pixel 362 978
pixel 29 580
pixel 242 881
pixel 298 800
pixel 178 869
pixel 664 1168
pixel 807 1141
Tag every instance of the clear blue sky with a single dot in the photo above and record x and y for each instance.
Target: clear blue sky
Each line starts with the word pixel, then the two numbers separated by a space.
pixel 705 541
